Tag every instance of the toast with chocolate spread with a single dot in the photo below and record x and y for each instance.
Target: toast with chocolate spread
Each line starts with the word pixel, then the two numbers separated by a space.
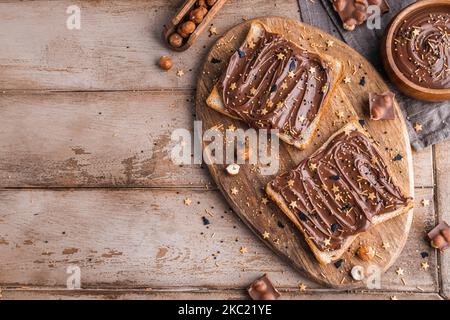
pixel 272 83
pixel 342 190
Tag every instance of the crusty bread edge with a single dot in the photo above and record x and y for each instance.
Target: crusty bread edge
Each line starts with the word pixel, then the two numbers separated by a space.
pixel 326 257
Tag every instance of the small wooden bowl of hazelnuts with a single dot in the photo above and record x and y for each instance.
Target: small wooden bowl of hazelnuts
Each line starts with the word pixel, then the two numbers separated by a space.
pixel 190 21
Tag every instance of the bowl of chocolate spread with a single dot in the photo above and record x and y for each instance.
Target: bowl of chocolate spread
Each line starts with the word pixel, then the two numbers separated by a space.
pixel 416 50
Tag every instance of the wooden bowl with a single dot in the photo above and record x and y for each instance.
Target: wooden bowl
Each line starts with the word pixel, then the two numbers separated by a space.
pixel 188 5
pixel 400 80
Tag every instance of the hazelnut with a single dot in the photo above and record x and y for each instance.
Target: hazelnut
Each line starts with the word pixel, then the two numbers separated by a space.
pixel 446 234
pixel 165 63
pixel 186 28
pixel 233 169
pixel 175 40
pixel 198 14
pixel 260 286
pixel 366 253
pixel 211 2
pixel 438 242
pixel 374 2
pixel 350 24
pixel 201 3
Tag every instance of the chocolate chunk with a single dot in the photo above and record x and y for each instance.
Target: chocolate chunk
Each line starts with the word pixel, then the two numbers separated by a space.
pixel 263 289
pixel 398 157
pixel 424 254
pixel 440 236
pixel 382 106
pixel 354 12
pixel 362 81
pixel 334 177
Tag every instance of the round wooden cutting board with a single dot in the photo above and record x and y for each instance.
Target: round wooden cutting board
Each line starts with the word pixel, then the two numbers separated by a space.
pixel 349 101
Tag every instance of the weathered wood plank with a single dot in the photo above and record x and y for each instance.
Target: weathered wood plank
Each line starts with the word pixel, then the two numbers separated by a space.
pixel 105 139
pixel 117 47
pixel 48 294
pixel 94 140
pixel 442 164
pixel 146 238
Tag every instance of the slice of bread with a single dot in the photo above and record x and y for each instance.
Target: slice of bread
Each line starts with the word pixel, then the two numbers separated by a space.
pixel 325 257
pixel 257 30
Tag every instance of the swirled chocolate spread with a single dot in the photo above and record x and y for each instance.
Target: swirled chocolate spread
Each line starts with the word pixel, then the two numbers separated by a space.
pixel 274 84
pixel 337 192
pixel 421 47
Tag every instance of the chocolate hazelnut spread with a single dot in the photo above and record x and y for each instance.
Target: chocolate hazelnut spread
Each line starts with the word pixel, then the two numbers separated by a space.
pixel 421 47
pixel 274 84
pixel 337 192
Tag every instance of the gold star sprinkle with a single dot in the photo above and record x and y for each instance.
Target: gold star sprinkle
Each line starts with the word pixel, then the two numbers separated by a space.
pixel 394 298
pixel 233 86
pixel 291 74
pixel 243 250
pixel 324 187
pixel 312 70
pixel 329 43
pixel 302 287
pixel 290 183
pixel 347 80
pixel 338 197
pixel 251 44
pixel 425 202
pixel 424 265
pixel 264 200
pixel 324 88
pixel 284 86
pixel 293 204
pixel 418 127
pixel 400 271
pixel 327 242
pixel 301 118
pixel 180 73
pixel 372 196
pixel 269 103
pixel 340 114
pixel 234 191
pixel 252 91
pixel 280 56
pixel 187 201
pixel 313 166
pixel 264 111
pixel 279 105
pixel 416 32
pixel 386 245
pixel 212 30
pixel 335 188
pixel 266 235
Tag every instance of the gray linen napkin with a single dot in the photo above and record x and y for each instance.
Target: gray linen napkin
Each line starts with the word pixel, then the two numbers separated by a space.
pixel 435 117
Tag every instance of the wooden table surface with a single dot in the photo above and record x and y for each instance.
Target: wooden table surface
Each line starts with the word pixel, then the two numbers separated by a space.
pixel 86 180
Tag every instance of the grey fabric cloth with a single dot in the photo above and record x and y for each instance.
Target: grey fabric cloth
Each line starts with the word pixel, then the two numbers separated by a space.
pixel 435 117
